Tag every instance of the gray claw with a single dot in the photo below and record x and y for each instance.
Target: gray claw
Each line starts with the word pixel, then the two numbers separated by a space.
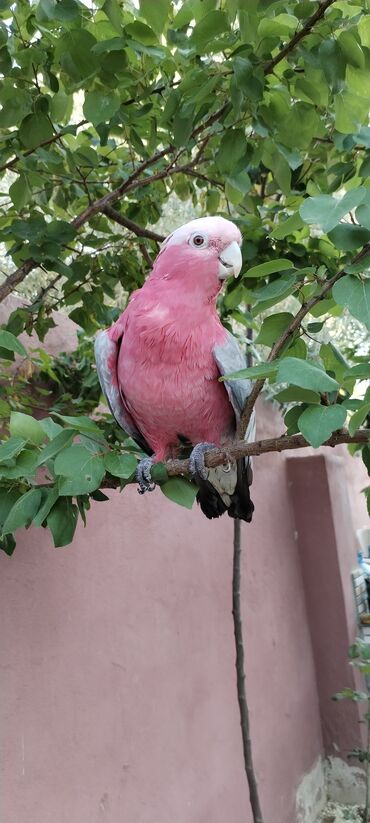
pixel 197 469
pixel 143 475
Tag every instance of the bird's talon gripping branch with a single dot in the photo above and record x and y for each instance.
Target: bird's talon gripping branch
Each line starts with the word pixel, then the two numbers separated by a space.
pixel 197 468
pixel 143 476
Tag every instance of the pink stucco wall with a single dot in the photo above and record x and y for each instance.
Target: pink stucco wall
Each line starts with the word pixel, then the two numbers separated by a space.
pixel 117 664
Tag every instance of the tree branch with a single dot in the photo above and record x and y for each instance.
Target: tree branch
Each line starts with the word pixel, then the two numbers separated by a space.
pixel 218 456
pixel 131 226
pixel 56 136
pixel 306 29
pixel 239 661
pixel 132 181
pixel 287 334
pixel 16 277
pixel 240 678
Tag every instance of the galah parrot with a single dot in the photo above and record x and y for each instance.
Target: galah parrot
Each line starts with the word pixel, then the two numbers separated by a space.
pixel 159 364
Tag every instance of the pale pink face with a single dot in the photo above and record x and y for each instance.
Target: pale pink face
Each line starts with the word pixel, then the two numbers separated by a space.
pixel 199 256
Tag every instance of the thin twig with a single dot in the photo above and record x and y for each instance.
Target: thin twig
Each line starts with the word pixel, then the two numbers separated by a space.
pixel 240 679
pixel 140 231
pixel 44 291
pixel 56 136
pixel 239 649
pixel 306 29
pixel 146 255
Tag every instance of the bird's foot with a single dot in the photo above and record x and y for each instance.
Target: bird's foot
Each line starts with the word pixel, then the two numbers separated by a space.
pixel 143 475
pixel 197 468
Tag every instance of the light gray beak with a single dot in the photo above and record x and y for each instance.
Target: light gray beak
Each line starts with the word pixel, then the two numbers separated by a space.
pixel 230 261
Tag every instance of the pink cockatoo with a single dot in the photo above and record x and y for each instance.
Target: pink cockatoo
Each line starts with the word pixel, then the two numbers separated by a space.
pixel 159 364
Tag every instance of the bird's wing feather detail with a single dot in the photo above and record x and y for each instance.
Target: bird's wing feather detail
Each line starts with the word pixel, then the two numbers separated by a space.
pixel 230 358
pixel 106 355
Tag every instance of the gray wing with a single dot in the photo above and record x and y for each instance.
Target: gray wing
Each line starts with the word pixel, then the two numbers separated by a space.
pixel 106 356
pixel 230 358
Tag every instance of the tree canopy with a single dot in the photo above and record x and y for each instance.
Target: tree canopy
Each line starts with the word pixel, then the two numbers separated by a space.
pixel 253 109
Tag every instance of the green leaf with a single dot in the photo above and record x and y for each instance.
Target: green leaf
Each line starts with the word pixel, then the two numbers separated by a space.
pixel 359 372
pixel 358 418
pixel 142 33
pixel 314 328
pixel 274 292
pixel 351 111
pixel 280 25
pixel 288 226
pixel 364 30
pixel 8 498
pixel 76 56
pixel 62 522
pixel 246 78
pixel 351 49
pixel 354 294
pixel 333 361
pixel 81 423
pixel 159 473
pixel 291 419
pixel 180 490
pixel 98 108
pixel 114 13
pixel 63 439
pixel 16 104
pixel 365 454
pixel 23 511
pixel 20 192
pixel 305 374
pixel 120 465
pixel 10 448
pixel 327 212
pixel 270 267
pixel 231 150
pixel 26 427
pixel 295 394
pixel 11 343
pixel 7 544
pixel 317 423
pixel 209 27
pixel 25 466
pixel 348 237
pixel 295 348
pixel 241 182
pixel 254 372
pixel 34 129
pixel 80 471
pixel 273 327
pixel 99 496
pixel 59 231
pixel 50 428
pixel 49 497
pixel 155 14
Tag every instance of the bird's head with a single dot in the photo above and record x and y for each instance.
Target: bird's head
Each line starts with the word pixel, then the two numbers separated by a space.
pixel 200 255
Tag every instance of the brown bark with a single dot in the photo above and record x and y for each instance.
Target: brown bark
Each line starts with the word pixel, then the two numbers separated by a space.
pixel 216 457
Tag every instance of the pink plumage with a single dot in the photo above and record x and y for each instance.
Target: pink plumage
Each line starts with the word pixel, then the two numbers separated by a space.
pixel 162 356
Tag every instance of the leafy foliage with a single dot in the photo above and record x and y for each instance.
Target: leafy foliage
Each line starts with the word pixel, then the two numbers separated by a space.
pixel 256 110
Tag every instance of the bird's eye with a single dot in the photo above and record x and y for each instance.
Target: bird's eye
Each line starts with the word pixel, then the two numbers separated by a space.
pixel 198 240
